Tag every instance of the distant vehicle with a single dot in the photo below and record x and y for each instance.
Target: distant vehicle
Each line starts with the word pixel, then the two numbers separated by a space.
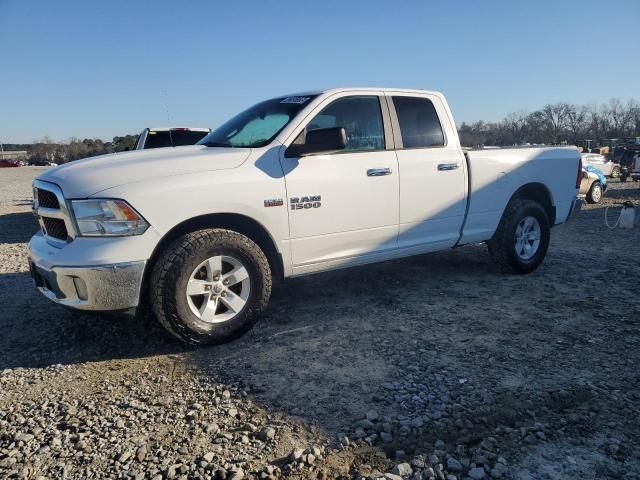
pixel 170 137
pixel 10 163
pixel 628 156
pixel 593 184
pixel 584 145
pixel 603 147
pixel 43 163
pixel 606 166
pixel 608 144
pixel 635 167
pixel 589 146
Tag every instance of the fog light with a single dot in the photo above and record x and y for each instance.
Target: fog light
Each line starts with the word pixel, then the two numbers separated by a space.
pixel 81 288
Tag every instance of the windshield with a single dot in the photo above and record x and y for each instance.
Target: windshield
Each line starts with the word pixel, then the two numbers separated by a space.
pixel 258 125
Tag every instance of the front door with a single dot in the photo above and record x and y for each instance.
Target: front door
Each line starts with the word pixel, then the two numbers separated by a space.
pixel 343 205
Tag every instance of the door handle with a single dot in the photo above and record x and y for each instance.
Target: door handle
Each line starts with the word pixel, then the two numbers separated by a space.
pixel 447 166
pixel 378 172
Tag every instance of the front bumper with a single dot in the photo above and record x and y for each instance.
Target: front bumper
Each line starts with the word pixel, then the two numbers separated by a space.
pixel 99 284
pixel 92 273
pixel 99 287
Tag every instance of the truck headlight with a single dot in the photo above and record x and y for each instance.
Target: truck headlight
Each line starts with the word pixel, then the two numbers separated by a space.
pixel 103 217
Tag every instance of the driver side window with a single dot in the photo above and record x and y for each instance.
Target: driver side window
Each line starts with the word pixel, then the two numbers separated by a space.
pixel 360 116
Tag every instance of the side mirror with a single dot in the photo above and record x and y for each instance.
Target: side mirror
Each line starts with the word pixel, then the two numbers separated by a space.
pixel 320 140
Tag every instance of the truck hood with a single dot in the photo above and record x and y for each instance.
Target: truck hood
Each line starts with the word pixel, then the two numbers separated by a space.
pixel 87 177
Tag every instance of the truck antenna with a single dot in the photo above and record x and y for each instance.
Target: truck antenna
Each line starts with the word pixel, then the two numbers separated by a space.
pixel 166 105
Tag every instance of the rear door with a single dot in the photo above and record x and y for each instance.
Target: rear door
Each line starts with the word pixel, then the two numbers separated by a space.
pixel 432 171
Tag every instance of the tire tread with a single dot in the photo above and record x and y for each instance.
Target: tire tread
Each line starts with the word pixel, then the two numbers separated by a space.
pixel 501 248
pixel 167 269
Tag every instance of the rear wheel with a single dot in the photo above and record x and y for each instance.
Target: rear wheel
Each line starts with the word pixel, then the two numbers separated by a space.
pixel 522 238
pixel 615 172
pixel 210 286
pixel 595 193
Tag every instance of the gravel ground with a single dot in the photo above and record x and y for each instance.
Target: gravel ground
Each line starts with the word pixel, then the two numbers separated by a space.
pixel 430 367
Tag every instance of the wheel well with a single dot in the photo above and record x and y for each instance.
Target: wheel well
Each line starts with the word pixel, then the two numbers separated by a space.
pixel 230 221
pixel 539 193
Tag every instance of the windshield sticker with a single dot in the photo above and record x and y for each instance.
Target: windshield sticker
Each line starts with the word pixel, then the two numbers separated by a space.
pixel 298 100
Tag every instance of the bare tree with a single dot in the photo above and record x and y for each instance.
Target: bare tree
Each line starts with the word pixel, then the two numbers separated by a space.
pixel 558 123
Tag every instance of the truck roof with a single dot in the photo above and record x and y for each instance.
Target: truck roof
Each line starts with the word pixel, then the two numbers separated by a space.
pixel 165 129
pixel 372 89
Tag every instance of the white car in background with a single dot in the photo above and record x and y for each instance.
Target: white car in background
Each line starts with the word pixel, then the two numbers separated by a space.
pixel 170 137
pixel 602 163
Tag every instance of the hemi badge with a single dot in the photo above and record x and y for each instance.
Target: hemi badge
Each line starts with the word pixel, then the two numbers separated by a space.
pixel 273 202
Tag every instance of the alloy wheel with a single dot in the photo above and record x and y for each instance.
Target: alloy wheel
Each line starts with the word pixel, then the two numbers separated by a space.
pixel 218 289
pixel 527 238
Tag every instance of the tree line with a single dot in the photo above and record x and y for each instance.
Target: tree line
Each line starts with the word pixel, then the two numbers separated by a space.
pixel 47 150
pixel 558 123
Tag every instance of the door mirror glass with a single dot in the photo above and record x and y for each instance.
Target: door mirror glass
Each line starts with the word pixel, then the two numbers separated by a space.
pixel 320 140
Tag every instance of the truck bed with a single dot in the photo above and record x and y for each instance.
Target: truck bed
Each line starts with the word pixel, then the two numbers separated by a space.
pixel 494 174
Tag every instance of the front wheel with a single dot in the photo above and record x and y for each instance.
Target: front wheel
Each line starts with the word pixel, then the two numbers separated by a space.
pixel 210 286
pixel 522 238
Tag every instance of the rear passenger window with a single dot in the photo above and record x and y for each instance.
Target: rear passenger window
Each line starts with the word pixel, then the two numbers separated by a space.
pixel 160 139
pixel 360 116
pixel 419 123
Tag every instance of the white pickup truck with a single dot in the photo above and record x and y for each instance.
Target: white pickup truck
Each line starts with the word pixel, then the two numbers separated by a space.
pixel 294 185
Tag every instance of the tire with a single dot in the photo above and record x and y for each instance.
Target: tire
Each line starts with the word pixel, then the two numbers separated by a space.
pixel 504 243
pixel 192 260
pixel 595 193
pixel 615 172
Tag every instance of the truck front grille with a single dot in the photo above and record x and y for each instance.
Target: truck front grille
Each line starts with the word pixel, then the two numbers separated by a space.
pixel 55 227
pixel 47 199
pixel 51 209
